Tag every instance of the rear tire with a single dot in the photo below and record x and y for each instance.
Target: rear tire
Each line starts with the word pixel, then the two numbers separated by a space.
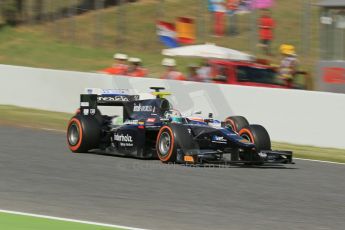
pixel 258 135
pixel 166 145
pixel 236 123
pixel 83 133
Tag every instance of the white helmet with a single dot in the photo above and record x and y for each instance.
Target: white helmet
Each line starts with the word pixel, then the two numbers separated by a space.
pixel 168 62
pixel 120 56
pixel 134 60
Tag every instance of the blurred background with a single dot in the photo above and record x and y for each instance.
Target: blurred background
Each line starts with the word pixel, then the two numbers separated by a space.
pixel 84 34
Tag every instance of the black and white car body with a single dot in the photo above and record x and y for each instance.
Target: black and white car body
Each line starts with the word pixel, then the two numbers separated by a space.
pixel 147 132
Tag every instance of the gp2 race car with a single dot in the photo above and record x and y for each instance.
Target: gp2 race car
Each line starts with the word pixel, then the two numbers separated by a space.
pixel 151 128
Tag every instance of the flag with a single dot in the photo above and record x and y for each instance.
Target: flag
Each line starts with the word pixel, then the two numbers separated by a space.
pixel 167 33
pixel 262 4
pixel 185 29
pixel 216 5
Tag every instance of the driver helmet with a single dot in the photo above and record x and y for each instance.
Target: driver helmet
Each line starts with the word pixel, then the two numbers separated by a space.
pixel 174 115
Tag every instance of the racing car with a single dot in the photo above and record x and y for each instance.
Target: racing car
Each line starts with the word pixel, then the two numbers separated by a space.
pixel 152 128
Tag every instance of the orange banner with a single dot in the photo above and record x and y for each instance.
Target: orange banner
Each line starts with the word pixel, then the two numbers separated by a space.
pixel 185 29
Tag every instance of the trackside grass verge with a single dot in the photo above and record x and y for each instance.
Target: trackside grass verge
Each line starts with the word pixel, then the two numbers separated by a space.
pixel 21 222
pixel 18 116
pixel 311 152
pixel 33 118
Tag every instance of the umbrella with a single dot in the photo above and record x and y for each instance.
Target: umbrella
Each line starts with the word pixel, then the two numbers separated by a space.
pixel 208 51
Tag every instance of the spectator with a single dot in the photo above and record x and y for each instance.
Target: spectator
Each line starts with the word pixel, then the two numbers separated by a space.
pixel 232 6
pixel 193 73
pixel 266 25
pixel 244 6
pixel 222 75
pixel 171 72
pixel 204 72
pixel 289 64
pixel 135 69
pixel 219 10
pixel 119 67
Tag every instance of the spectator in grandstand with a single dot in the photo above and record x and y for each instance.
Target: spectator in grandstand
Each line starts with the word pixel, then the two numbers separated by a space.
pixel 120 66
pixel 135 69
pixel 219 10
pixel 266 25
pixel 171 72
pixel 289 64
pixel 204 72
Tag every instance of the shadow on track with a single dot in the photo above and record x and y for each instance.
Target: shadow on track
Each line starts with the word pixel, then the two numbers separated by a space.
pixel 206 165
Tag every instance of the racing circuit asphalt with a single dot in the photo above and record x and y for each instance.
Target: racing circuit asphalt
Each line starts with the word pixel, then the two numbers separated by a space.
pixel 38 174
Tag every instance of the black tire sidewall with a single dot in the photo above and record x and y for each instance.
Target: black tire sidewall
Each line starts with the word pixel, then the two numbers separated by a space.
pixel 239 122
pixel 260 135
pixel 90 133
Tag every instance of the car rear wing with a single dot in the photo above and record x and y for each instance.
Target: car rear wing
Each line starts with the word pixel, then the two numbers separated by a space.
pixel 104 97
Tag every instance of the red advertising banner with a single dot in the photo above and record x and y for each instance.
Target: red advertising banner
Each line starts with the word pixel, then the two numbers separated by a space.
pixel 334 75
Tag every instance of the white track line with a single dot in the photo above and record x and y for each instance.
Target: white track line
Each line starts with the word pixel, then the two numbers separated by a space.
pixel 53 130
pixel 45 129
pixel 328 162
pixel 70 220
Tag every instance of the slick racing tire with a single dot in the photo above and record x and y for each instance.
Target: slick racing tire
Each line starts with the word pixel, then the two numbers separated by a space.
pixel 166 145
pixel 83 133
pixel 236 123
pixel 258 135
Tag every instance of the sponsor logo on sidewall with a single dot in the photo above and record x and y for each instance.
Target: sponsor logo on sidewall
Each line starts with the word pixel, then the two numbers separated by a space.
pixel 84 104
pixel 131 122
pixel 86 112
pixel 219 139
pixel 142 108
pixel 124 140
pixel 151 119
pixel 112 98
pixel 115 91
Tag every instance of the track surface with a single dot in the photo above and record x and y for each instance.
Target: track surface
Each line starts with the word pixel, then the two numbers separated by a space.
pixel 38 174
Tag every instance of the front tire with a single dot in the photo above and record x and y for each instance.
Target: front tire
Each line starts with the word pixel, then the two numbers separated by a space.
pixel 166 145
pixel 258 135
pixel 236 123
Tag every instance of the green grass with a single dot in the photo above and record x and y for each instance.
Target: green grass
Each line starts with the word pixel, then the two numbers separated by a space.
pixel 51 45
pixel 21 222
pixel 312 152
pixel 32 117
pixel 43 119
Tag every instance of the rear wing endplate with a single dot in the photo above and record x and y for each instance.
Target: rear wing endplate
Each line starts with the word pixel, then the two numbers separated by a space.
pixel 90 102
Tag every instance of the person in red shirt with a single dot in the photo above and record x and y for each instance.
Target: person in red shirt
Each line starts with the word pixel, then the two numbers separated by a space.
pixel 266 25
pixel 219 11
pixel 171 73
pixel 119 67
pixel 135 69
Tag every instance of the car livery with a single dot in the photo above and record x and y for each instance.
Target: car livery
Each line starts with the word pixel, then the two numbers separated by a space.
pixel 153 129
